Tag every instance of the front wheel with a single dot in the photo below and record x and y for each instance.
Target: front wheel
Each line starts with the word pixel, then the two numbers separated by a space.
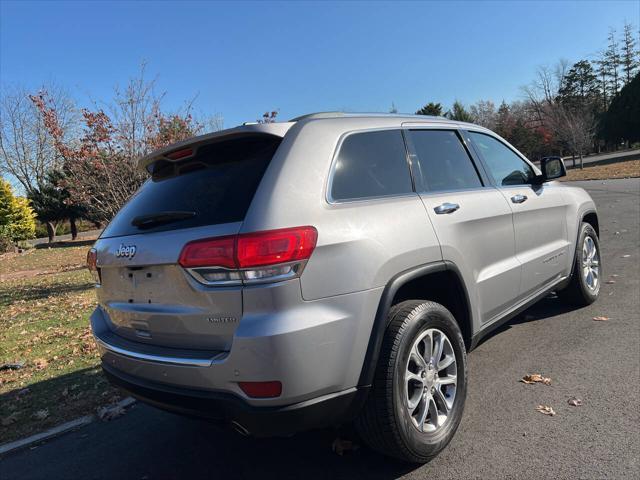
pixel 584 286
pixel 418 394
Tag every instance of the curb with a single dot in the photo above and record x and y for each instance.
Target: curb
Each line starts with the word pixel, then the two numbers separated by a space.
pixel 59 430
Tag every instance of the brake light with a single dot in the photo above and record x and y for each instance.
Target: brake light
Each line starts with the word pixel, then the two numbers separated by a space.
pixel 178 154
pixel 250 257
pixel 209 252
pixel 276 246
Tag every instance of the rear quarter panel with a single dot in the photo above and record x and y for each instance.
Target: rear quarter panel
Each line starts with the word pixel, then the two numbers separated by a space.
pixel 361 244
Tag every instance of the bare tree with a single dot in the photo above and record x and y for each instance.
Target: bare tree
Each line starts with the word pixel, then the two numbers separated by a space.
pixel 213 123
pixel 574 127
pixel 484 113
pixel 27 151
pixel 101 166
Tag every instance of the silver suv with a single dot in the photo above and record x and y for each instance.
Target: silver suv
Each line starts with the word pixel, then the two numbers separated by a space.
pixel 333 269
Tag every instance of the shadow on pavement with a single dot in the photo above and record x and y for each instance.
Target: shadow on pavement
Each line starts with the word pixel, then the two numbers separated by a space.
pixel 548 307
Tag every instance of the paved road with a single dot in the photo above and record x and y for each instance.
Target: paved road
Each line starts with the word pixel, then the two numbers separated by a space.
pixel 501 436
pixel 90 234
pixel 604 158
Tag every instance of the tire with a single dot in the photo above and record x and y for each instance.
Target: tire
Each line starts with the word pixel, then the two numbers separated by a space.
pixel 386 423
pixel 579 292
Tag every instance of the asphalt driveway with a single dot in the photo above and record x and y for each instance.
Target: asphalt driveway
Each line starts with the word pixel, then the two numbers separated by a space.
pixel 501 434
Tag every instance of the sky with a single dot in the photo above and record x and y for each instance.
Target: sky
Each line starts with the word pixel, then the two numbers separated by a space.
pixel 242 59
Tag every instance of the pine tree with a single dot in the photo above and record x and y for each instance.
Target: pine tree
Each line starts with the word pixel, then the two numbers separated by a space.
pixel 459 113
pixel 431 108
pixel 579 87
pixel 630 56
pixel 612 56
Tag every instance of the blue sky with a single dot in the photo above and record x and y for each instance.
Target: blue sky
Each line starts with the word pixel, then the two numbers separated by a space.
pixel 242 59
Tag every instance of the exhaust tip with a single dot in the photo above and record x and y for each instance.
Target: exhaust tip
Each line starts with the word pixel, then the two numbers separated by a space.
pixel 240 429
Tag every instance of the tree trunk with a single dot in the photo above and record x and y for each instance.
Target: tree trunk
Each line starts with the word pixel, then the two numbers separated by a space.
pixel 581 164
pixel 74 228
pixel 573 158
pixel 51 231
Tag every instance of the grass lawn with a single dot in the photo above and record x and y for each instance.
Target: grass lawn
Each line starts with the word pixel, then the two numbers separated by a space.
pixel 46 296
pixel 628 169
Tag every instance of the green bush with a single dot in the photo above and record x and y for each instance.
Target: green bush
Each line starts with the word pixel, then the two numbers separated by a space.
pixel 17 219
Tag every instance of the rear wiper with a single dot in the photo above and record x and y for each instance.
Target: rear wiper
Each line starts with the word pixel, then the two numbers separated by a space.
pixel 153 219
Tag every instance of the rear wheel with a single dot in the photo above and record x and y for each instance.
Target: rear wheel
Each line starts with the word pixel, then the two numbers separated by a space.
pixel 584 286
pixel 419 390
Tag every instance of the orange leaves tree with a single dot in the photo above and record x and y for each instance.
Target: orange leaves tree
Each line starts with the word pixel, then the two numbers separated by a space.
pixel 100 164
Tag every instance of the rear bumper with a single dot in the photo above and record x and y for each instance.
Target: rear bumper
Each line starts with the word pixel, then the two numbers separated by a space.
pixel 328 410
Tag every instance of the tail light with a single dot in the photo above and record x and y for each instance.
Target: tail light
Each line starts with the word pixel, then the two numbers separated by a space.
pixel 251 257
pixel 92 265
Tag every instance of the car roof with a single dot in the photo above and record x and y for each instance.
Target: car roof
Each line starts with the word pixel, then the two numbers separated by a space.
pixel 279 129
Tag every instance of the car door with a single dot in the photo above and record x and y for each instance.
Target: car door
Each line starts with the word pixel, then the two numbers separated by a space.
pixel 539 213
pixel 471 218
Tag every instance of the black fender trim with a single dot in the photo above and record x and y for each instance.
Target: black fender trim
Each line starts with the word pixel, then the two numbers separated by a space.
pixel 381 320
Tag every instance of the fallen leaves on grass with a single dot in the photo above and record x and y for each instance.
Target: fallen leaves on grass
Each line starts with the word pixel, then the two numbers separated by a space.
pixel 40 363
pixel 600 319
pixel 535 378
pixel 546 410
pixel 575 402
pixel 9 419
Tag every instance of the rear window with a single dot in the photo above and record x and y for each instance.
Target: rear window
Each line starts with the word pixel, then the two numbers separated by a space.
pixel 371 164
pixel 216 186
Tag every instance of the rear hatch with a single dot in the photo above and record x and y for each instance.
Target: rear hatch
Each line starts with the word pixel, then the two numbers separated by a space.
pixel 204 192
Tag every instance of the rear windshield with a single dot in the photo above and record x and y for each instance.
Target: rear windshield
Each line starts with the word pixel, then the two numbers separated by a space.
pixel 216 186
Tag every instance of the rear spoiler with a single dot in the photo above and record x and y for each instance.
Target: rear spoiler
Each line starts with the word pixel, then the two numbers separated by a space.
pixel 187 148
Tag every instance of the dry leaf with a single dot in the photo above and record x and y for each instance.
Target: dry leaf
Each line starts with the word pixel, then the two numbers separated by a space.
pixel 575 401
pixel 535 378
pixel 546 410
pixel 40 363
pixel 601 319
pixel 611 281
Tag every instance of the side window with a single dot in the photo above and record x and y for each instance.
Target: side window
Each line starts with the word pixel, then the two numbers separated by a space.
pixel 443 162
pixel 504 165
pixel 371 164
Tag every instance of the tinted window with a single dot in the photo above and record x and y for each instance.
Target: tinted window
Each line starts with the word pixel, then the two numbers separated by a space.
pixel 504 165
pixel 443 162
pixel 371 164
pixel 216 186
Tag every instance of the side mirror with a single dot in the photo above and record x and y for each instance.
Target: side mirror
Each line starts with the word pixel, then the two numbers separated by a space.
pixel 552 168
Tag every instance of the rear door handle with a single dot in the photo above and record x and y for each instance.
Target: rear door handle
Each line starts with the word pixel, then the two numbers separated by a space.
pixel 446 208
pixel 519 198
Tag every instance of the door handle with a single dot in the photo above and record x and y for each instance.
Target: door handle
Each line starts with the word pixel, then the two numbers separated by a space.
pixel 446 208
pixel 519 198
